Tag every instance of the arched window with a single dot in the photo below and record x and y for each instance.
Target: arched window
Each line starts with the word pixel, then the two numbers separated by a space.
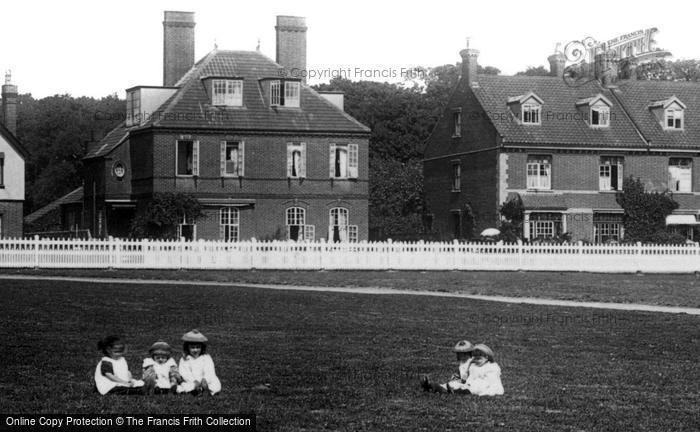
pixel 229 223
pixel 295 221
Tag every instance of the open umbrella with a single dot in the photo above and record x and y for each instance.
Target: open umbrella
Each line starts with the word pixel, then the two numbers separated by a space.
pixel 490 232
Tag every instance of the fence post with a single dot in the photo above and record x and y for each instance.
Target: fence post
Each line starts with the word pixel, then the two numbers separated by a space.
pixel 36 251
pixel 455 255
pixel 181 248
pixel 579 255
pixel 639 257
pixel 253 251
pixel 520 255
pixel 117 253
pixel 110 252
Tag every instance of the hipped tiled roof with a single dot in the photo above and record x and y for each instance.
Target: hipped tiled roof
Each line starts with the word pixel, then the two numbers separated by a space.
pixel 190 106
pixel 73 197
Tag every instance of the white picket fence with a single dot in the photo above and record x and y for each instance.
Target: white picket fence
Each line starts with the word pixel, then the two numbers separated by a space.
pixel 148 254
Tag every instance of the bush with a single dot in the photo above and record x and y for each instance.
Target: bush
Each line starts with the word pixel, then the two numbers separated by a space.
pixel 160 218
pixel 645 212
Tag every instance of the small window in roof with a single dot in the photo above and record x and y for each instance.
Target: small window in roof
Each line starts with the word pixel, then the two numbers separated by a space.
pixel 527 108
pixel 531 113
pixel 600 115
pixel 673 118
pixel 227 92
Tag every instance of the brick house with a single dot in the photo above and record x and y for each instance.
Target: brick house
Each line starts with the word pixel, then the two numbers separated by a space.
pixel 266 155
pixel 12 159
pixel 564 150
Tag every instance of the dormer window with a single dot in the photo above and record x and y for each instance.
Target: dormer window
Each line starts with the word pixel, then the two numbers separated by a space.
pixel 598 114
pixel 670 113
pixel 291 94
pixel 527 108
pixel 457 123
pixel 133 107
pixel 227 92
pixel 285 93
pixel 531 113
pixel 674 118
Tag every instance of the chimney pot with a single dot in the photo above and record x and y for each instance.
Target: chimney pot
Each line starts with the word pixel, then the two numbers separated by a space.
pixel 291 45
pixel 557 62
pixel 178 45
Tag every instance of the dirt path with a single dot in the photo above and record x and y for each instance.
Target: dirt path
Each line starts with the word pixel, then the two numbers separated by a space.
pixel 373 291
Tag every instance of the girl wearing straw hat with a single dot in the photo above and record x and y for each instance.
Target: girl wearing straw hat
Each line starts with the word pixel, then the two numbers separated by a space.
pixel 197 367
pixel 160 370
pixel 479 374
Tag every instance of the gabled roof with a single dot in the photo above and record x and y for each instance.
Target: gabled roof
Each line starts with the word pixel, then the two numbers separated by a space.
pixel 562 123
pixel 190 106
pixel 667 103
pixel 13 141
pixel 594 99
pixel 72 197
pixel 638 95
pixel 523 98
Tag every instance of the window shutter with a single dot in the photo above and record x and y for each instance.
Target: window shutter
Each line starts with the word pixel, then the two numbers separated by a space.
pixel 289 232
pixel 195 158
pixel 309 232
pixel 223 158
pixel 302 162
pixel 331 163
pixel 352 160
pixel 241 159
pixel 290 158
pixel 620 176
pixel 352 231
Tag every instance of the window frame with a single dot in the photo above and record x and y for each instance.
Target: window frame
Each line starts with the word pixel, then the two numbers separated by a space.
pixel 275 93
pixel 229 219
pixel 347 232
pixel 528 109
pixel 456 176
pixel 536 160
pixel 603 113
pixel 292 99
pixel 295 217
pixel 610 227
pixel 227 92
pixel 133 107
pixel 615 161
pixel 679 166
pixel 674 118
pixel 195 158
pixel 224 152
pixel 293 147
pixel 457 123
pixel 2 170
pixel 352 162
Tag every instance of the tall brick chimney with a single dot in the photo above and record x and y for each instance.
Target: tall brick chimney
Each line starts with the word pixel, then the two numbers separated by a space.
pixel 9 104
pixel 178 45
pixel 291 45
pixel 557 62
pixel 469 65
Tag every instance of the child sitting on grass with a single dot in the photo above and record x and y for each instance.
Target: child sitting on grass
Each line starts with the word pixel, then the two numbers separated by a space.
pixel 197 367
pixel 160 372
pixel 479 374
pixel 112 373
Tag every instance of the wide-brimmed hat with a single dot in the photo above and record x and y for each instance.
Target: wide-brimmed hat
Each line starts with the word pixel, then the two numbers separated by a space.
pixel 488 352
pixel 194 336
pixel 463 346
pixel 160 348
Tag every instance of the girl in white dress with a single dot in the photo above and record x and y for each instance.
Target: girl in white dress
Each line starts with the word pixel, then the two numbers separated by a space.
pixel 479 374
pixel 197 367
pixel 112 373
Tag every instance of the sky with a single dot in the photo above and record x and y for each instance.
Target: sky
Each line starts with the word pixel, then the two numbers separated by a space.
pixel 91 48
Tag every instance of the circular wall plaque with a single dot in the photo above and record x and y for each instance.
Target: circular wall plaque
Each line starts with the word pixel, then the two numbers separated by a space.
pixel 119 169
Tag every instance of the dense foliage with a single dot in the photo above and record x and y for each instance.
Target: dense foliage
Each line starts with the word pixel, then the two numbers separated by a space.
pixel 56 131
pixel 512 217
pixel 160 218
pixel 645 214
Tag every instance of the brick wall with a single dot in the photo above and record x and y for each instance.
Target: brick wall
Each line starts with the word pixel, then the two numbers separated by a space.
pixel 11 213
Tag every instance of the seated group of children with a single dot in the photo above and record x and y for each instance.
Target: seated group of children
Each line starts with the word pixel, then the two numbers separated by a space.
pixel 478 373
pixel 161 374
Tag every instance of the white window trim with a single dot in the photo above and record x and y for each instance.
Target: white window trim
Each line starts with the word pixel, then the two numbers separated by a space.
pixel 457 123
pixel 531 107
pixel 603 114
pixel 671 187
pixel 230 217
pixel 195 158
pixel 241 158
pixel 301 147
pixel 296 101
pixel 346 231
pixel 296 216
pixel 229 97
pixel 540 184
pixel 351 161
pixel 620 173
pixel 673 111
pixel 278 85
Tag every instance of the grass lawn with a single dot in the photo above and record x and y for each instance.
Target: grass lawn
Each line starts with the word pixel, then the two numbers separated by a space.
pixel 652 289
pixel 352 362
